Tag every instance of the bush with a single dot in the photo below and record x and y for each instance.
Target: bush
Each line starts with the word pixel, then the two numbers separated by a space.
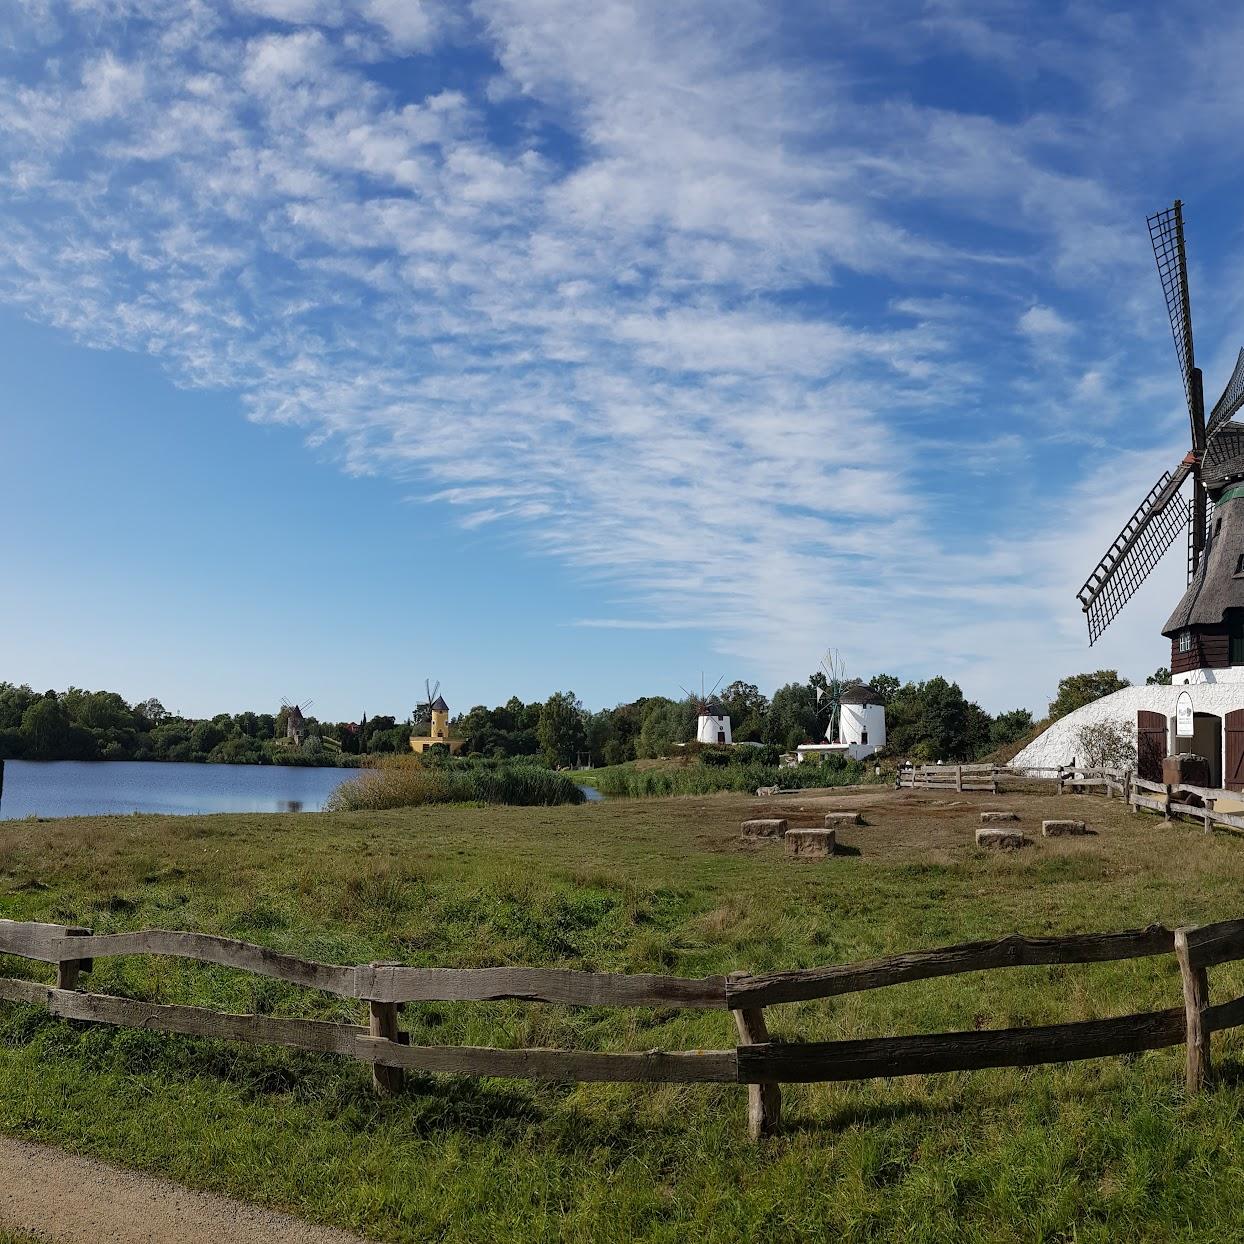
pixel 406 783
pixel 708 779
pixel 1106 745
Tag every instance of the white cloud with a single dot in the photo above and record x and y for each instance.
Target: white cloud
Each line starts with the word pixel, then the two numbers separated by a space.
pixel 738 337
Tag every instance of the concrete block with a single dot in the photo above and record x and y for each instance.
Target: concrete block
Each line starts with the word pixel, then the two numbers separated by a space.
pixel 988 818
pixel 1000 839
pixel 842 818
pixel 1061 829
pixel 810 843
pixel 771 827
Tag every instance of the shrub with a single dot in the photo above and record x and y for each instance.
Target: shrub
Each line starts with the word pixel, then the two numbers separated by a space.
pixel 1106 744
pixel 406 783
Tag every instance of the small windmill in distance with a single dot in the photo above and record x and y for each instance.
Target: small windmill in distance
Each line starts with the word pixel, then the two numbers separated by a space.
pixel 295 722
pixel 434 712
pixel 712 720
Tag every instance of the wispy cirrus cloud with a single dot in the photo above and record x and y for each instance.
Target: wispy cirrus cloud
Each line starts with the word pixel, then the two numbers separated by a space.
pixel 744 332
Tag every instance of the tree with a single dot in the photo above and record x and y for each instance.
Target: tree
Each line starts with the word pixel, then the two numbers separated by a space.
pixel 560 729
pixel 792 717
pixel 1007 727
pixel 1161 677
pixel 747 709
pixel 885 685
pixel 666 724
pixel 46 727
pixel 1077 690
pixel 151 711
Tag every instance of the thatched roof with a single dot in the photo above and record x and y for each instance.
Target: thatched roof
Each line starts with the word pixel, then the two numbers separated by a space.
pixel 1224 458
pixel 1217 587
pixel 860 693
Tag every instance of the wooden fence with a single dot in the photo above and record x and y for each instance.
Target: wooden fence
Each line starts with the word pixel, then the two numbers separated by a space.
pixel 1080 780
pixel 755 1061
pixel 1195 803
pixel 958 778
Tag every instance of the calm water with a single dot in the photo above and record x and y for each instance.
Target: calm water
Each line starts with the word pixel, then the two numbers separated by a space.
pixel 80 788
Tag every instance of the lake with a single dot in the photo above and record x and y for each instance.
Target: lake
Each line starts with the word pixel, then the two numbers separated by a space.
pixel 84 788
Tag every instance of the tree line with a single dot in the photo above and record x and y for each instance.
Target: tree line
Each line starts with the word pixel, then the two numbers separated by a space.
pixel 928 720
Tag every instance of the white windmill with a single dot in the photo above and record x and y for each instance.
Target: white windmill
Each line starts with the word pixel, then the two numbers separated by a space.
pixel 712 721
pixel 853 713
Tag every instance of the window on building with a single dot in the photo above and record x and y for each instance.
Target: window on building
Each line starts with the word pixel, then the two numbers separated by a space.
pixel 1239 564
pixel 1235 631
pixel 1185 641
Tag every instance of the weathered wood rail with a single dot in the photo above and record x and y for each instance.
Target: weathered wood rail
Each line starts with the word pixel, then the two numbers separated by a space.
pixel 959 778
pixel 1194 803
pixel 1080 780
pixel 757 1061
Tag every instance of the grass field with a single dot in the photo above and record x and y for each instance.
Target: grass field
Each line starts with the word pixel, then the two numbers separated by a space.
pixel 1102 1150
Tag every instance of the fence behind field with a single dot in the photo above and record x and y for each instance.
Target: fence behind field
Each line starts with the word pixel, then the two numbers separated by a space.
pixel 959 778
pixel 755 1060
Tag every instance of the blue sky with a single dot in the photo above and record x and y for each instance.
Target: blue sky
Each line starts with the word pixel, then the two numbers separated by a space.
pixel 532 345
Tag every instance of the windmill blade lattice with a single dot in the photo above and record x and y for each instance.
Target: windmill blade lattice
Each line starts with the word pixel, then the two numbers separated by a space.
pixel 1231 400
pixel 1166 231
pixel 1145 537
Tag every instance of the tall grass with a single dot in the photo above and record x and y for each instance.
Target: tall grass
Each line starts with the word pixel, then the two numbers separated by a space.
pixel 406 783
pixel 624 782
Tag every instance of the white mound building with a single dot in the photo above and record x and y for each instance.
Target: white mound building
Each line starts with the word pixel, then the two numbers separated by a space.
pixel 861 727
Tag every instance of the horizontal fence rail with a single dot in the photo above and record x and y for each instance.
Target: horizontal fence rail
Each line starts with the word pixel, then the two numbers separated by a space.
pixel 757 1061
pixel 982 778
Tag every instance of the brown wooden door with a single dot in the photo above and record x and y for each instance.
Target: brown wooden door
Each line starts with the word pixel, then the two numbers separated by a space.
pixel 1150 745
pixel 1233 772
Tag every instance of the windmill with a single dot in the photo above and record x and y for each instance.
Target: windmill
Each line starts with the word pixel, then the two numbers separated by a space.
pixel 1213 462
pixel 712 720
pixel 829 697
pixel 295 722
pixel 423 712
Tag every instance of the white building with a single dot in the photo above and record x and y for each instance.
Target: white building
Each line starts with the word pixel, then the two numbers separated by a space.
pixel 861 727
pixel 713 725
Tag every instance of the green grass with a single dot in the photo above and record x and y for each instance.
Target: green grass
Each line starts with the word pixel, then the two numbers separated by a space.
pixel 1099 1151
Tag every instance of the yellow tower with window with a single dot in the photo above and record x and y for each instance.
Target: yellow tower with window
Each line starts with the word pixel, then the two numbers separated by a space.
pixel 438 735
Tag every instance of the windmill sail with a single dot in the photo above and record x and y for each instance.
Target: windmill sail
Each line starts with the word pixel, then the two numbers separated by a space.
pixel 1145 537
pixel 1231 400
pixel 1166 231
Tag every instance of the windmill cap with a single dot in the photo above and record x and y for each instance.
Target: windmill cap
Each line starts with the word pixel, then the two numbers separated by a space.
pixel 439 705
pixel 712 709
pixel 858 693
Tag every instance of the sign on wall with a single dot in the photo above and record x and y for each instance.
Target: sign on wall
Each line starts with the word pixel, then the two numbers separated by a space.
pixel 1183 715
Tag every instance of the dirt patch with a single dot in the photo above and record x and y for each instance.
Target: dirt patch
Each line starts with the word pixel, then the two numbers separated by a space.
pixel 55 1196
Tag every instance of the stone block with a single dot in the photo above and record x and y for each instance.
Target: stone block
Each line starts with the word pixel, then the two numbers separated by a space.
pixel 766 827
pixel 1000 839
pixel 1062 829
pixel 810 843
pixel 842 818
pixel 1185 769
pixel 988 818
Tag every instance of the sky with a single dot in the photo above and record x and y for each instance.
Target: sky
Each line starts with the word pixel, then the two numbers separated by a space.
pixel 530 345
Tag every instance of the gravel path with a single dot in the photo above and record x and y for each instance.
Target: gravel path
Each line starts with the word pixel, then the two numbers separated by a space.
pixel 57 1196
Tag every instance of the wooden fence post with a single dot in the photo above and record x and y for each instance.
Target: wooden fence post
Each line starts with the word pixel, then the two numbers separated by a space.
pixel 764 1101
pixel 1166 803
pixel 1196 1001
pixel 1060 780
pixel 959 779
pixel 1129 792
pixel 382 1022
pixel 67 969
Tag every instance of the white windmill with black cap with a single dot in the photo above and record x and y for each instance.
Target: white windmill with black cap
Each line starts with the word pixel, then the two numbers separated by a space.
pixel 712 725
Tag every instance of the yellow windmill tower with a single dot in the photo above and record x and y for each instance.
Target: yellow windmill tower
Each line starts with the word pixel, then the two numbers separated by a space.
pixel 437 712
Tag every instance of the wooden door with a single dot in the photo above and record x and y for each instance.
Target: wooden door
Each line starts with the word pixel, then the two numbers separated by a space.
pixel 1233 771
pixel 1150 745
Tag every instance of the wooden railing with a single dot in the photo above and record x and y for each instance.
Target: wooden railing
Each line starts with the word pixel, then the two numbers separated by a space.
pixel 958 778
pixel 756 1061
pixel 1112 781
pixel 1174 801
